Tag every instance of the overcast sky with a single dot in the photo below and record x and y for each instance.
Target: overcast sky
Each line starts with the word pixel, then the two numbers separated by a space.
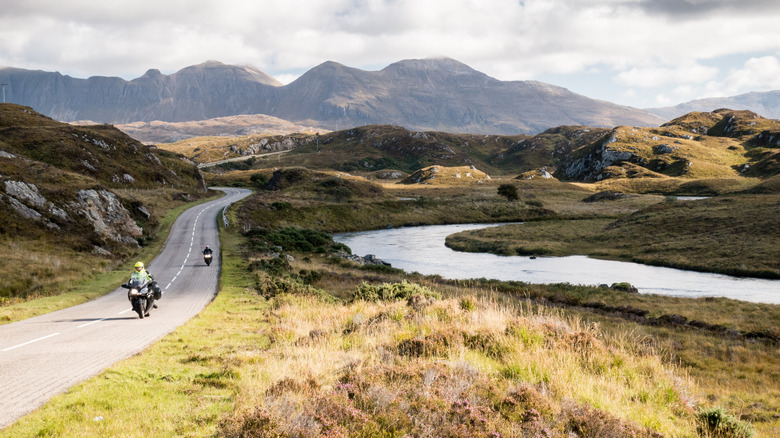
pixel 642 53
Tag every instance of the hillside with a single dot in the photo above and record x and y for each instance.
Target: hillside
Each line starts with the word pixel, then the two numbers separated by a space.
pixel 429 94
pixel 74 199
pixel 738 146
pixel 375 149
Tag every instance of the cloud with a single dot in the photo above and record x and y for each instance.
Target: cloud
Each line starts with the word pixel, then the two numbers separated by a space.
pixel 653 76
pixel 689 9
pixel 639 44
pixel 757 74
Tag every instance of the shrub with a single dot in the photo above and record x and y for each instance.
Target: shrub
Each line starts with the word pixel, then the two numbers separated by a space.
pixel 717 423
pixel 509 191
pixel 271 286
pixel 392 291
pixel 293 239
pixel 259 179
pixel 467 304
pixel 276 266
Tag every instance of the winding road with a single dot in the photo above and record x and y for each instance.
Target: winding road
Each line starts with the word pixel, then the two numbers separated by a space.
pixel 45 355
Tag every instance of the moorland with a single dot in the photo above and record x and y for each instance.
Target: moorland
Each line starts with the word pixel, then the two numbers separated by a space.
pixel 301 341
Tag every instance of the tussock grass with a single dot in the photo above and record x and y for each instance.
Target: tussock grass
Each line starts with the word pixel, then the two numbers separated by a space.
pixel 379 367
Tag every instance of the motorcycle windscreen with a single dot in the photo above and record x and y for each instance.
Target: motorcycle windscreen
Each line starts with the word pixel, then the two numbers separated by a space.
pixel 137 283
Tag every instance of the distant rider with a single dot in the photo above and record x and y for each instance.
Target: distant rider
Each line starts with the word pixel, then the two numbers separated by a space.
pixel 207 251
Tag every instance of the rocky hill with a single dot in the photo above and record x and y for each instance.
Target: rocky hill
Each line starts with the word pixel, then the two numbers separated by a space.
pixel 75 185
pixel 723 143
pixel 430 94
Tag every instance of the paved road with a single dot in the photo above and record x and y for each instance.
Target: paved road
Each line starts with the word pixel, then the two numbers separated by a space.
pixel 243 158
pixel 44 356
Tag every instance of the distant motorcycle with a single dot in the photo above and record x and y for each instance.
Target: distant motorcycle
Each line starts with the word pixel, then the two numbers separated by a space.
pixel 207 259
pixel 142 295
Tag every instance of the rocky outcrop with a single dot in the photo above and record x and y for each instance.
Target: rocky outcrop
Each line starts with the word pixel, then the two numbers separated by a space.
pixel 102 210
pixel 108 216
pixel 27 201
pixel 266 145
pixel 368 259
pixel 590 166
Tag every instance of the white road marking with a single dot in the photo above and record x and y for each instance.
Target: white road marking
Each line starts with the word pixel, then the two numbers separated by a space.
pixel 30 342
pixel 90 323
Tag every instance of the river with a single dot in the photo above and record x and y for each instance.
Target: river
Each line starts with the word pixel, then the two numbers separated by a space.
pixel 422 249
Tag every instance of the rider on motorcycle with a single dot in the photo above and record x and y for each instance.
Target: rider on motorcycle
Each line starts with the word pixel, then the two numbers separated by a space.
pixel 207 251
pixel 140 274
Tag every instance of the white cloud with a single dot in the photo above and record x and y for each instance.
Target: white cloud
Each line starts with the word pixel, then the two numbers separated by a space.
pixel 646 48
pixel 661 76
pixel 758 74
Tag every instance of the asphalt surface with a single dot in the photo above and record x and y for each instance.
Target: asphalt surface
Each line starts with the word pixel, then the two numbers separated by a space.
pixel 43 356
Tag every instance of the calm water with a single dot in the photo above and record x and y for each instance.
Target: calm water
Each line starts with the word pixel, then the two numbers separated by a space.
pixel 422 249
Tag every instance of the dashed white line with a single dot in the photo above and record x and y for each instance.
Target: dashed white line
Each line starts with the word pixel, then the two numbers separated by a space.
pixel 30 342
pixel 93 322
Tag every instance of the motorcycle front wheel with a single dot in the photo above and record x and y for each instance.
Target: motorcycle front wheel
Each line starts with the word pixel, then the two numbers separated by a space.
pixel 138 307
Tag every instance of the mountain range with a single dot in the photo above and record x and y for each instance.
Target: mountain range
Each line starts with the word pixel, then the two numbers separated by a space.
pixel 429 94
pixel 438 94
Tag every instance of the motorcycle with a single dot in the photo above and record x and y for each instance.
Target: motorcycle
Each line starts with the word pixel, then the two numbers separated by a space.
pixel 207 259
pixel 142 295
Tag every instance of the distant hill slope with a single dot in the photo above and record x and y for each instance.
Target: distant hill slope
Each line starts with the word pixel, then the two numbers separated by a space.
pixel 765 103
pixel 230 126
pixel 430 94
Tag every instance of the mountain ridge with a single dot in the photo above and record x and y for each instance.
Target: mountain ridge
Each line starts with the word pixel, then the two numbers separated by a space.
pixel 430 94
pixel 766 103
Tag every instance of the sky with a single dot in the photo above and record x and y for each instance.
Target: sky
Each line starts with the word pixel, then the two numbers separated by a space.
pixel 641 53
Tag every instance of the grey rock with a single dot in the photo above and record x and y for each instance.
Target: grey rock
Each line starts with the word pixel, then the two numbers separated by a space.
pixel 25 211
pixel 369 259
pixel 144 212
pixel 108 216
pixel 26 192
pixel 663 149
